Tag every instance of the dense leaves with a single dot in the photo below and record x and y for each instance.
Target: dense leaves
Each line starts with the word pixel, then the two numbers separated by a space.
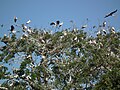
pixel 63 60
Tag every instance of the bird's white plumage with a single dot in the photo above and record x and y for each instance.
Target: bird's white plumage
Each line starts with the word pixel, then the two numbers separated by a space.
pixel 29 21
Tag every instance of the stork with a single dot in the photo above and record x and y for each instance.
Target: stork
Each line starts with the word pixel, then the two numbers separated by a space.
pixel 12 28
pixel 29 21
pixel 111 13
pixel 15 19
pixel 57 23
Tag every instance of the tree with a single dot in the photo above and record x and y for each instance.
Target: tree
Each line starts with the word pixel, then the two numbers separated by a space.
pixel 37 59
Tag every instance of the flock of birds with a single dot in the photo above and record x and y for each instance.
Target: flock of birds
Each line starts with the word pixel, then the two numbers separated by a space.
pixel 58 23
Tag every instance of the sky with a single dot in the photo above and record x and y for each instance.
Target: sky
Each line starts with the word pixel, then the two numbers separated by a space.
pixel 43 12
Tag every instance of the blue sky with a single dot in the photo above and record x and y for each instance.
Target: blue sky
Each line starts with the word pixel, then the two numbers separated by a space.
pixel 42 12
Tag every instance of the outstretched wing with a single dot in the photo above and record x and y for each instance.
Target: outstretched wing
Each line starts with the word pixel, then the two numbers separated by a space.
pixel 111 13
pixel 52 23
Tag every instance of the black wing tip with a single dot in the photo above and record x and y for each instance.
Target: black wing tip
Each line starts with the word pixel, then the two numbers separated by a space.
pixel 52 23
pixel 116 10
pixel 106 16
pixel 111 13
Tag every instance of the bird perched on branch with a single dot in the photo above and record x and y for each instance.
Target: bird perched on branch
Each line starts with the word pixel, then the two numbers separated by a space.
pixel 104 31
pixel 112 30
pixel 29 21
pixel 15 19
pixel 12 28
pixel 24 28
pixel 84 26
pixel 104 23
pixel 111 13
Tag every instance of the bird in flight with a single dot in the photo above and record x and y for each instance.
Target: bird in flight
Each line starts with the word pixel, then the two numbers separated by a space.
pixel 57 23
pixel 111 13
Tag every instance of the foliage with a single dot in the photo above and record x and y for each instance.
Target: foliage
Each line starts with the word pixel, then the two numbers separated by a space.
pixel 63 60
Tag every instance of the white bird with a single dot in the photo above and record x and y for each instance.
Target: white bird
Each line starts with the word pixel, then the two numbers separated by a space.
pixel 84 26
pixel 104 23
pixel 29 30
pixel 24 27
pixel 75 38
pixel 104 31
pixel 98 33
pixel 25 35
pixel 64 33
pixel 112 30
pixel 29 21
pixel 92 42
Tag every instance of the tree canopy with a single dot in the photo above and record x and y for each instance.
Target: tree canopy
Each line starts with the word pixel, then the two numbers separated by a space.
pixel 69 59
